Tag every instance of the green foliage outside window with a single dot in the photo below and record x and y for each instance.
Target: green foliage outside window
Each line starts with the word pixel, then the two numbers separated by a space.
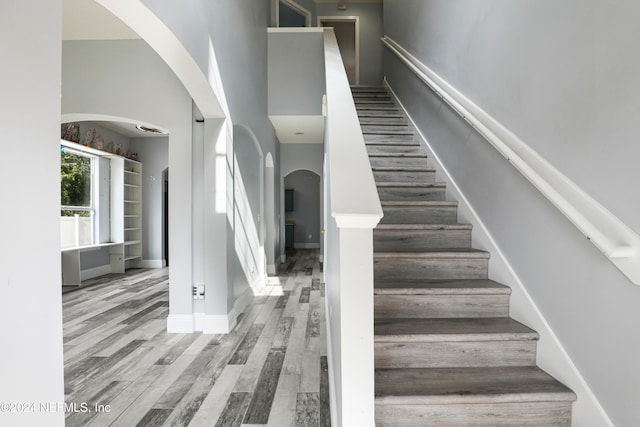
pixel 75 183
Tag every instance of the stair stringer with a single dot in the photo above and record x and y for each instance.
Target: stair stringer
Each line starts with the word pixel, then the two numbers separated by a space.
pixel 551 355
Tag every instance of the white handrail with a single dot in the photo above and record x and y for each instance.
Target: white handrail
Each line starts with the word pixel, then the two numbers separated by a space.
pixel 354 197
pixel 619 243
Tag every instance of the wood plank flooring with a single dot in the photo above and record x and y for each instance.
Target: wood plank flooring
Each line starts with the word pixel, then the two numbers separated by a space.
pixel 123 369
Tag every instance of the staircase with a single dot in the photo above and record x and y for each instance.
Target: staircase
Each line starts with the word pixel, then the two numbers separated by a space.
pixel 446 351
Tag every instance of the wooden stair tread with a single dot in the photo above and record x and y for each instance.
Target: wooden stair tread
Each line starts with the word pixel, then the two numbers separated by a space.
pixel 412 184
pixel 402 169
pixel 379 116
pixel 454 329
pixel 417 203
pixel 433 254
pixel 424 386
pixel 440 287
pixel 388 132
pixel 419 227
pixel 372 143
pixel 400 155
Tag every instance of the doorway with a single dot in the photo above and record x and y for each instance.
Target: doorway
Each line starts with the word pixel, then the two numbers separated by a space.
pixel 347 31
pixel 165 216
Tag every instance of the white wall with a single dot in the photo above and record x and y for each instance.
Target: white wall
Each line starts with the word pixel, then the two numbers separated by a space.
pixel 30 274
pixel 559 76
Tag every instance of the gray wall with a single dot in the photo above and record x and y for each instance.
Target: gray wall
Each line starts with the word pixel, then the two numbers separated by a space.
pixel 236 30
pixel 296 73
pixel 154 155
pixel 306 207
pixel 562 78
pixel 370 33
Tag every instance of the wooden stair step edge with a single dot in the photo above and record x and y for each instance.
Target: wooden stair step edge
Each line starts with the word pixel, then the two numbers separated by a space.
pixel 411 184
pixel 504 384
pixel 451 330
pixel 465 253
pixel 399 155
pixel 441 287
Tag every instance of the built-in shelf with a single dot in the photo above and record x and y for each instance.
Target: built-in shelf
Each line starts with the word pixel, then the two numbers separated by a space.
pixel 125 248
pixel 126 213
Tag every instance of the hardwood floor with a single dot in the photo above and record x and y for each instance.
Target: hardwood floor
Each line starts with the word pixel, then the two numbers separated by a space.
pixel 123 369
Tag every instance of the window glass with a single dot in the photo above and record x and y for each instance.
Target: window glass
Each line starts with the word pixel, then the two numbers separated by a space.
pixel 76 208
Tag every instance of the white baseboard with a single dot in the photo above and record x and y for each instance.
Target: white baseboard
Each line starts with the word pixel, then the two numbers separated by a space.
pixel 306 245
pixel 90 273
pixel 551 355
pixel 210 323
pixel 271 269
pixel 152 263
pixel 333 403
pixel 180 324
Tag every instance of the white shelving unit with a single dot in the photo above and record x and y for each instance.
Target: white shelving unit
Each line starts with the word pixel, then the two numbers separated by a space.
pixel 126 209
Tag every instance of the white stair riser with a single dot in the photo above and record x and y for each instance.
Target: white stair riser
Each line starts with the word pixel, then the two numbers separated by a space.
pixel 441 306
pixel 455 354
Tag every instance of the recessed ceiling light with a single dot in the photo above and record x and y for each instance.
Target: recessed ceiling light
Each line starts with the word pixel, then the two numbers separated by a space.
pixel 143 128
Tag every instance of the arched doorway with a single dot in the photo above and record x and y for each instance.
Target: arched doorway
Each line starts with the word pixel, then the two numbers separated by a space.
pixel 302 210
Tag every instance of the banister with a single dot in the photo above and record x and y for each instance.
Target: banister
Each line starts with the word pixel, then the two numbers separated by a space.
pixel 355 201
pixel 352 209
pixel 619 243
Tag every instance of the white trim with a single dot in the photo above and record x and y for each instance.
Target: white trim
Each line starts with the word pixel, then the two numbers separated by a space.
pixel 180 324
pixel 333 401
pixel 212 323
pixel 294 30
pixel 306 245
pixel 551 355
pixel 619 243
pixel 298 8
pixel 152 263
pixel 271 269
pixel 356 20
pixel 209 323
pixel 353 195
pixel 90 273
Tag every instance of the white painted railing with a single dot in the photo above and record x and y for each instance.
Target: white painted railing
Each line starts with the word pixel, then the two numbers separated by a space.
pixel 619 243
pixel 352 210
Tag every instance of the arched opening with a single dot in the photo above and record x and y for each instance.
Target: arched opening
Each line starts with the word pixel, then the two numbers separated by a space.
pixel 270 220
pixel 302 210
